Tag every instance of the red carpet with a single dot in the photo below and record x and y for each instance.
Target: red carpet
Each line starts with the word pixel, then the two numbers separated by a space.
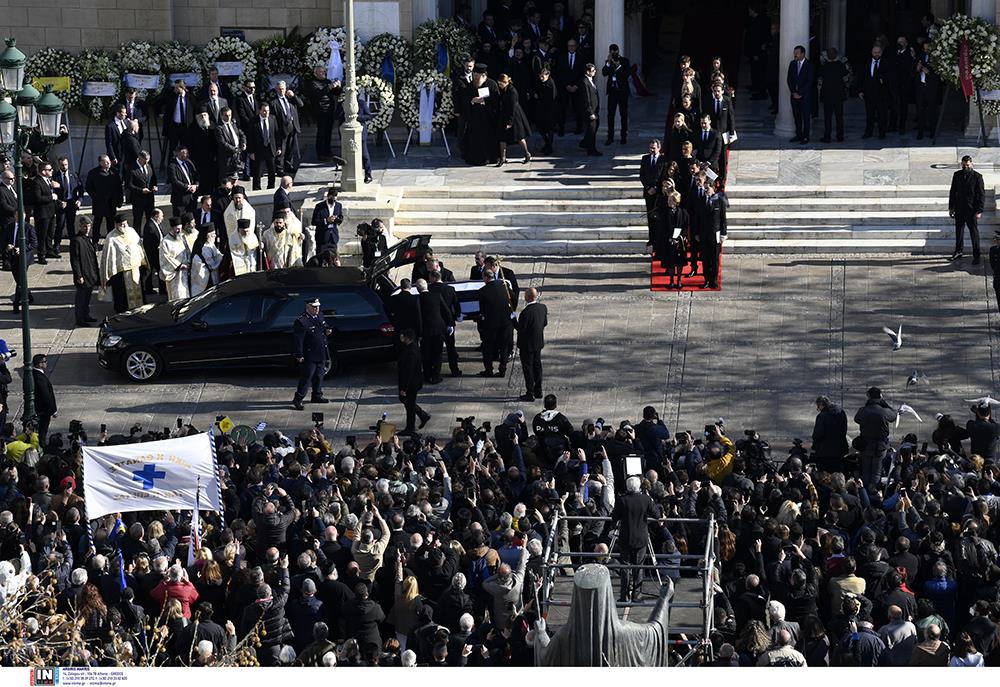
pixel 658 278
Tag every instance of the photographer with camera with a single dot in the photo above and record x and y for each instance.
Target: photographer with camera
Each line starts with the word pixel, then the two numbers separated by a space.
pixel 373 241
pixel 617 70
pixel 720 452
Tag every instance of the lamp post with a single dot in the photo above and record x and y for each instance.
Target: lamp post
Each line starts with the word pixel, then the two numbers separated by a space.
pixel 350 131
pixel 17 122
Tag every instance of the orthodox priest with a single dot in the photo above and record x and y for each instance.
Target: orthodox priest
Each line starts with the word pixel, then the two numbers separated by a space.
pixel 480 105
pixel 283 243
pixel 240 219
pixel 122 260
pixel 175 262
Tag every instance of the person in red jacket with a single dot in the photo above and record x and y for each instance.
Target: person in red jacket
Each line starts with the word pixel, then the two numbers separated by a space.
pixel 176 586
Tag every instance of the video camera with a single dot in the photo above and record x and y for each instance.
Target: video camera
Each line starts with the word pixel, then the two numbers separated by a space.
pixel 756 454
pixel 468 425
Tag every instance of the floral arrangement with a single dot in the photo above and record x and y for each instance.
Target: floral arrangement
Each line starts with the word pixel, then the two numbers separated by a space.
pixel 385 45
pixel 139 57
pixel 230 49
pixel 382 100
pixel 456 38
pixel 318 46
pixel 984 50
pixel 282 55
pixel 409 98
pixel 99 65
pixel 180 58
pixel 55 62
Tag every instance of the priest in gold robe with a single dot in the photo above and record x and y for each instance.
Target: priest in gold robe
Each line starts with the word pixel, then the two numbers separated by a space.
pixel 122 260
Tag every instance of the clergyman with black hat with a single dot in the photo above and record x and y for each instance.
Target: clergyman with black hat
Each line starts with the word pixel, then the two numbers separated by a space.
pixel 480 107
pixel 310 351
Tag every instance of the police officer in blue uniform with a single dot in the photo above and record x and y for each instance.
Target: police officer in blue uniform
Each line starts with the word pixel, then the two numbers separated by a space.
pixel 311 353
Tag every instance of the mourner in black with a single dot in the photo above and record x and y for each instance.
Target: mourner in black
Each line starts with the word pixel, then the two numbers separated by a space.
pixel 86 275
pixel 70 193
pixel 495 312
pixel 965 204
pixel 410 374
pixel 45 397
pixel 617 69
pixel 530 341
pixel 141 187
pixel 652 168
pixel 481 114
pixel 404 309
pixel 713 234
pixel 450 298
pixel 667 239
pixel 436 323
pixel 326 220
pixel 42 193
pixel 631 514
pixel 311 353
pixel 832 93
pixel 589 104
pixel 104 186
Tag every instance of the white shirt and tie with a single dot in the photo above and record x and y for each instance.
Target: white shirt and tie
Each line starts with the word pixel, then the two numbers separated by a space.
pixel 206 217
pixel 184 170
pixel 264 131
pixel 572 60
pixel 179 110
pixel 874 66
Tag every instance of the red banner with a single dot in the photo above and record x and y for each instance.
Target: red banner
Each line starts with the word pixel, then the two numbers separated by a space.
pixel 965 68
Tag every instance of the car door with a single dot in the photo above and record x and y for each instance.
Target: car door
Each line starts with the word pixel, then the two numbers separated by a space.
pixel 357 319
pixel 211 336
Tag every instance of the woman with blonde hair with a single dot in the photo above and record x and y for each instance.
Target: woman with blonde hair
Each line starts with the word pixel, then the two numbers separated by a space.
pixel 403 615
pixel 514 127
pixel 788 514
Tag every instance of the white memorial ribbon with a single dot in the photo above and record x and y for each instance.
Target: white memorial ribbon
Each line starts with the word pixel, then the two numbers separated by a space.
pixel 335 66
pixel 427 94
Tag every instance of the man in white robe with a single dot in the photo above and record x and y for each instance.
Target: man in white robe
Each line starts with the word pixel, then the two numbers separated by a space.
pixel 283 243
pixel 175 263
pixel 122 259
pixel 243 241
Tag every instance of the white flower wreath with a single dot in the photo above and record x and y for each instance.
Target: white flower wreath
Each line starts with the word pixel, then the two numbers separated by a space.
pixel 318 47
pixel 984 52
pixel 180 58
pixel 140 57
pixel 99 65
pixel 456 38
pixel 396 47
pixel 54 62
pixel 381 98
pixel 230 49
pixel 409 98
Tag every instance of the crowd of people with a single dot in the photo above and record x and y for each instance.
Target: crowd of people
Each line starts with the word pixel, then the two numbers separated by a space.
pixel 423 550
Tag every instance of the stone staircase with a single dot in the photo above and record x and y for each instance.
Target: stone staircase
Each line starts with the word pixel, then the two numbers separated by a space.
pixel 556 219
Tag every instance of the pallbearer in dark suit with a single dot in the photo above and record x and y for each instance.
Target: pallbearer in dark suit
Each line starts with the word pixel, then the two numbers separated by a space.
pixel 590 110
pixel 495 316
pixel 410 375
pixel 618 70
pixel 435 318
pixel 651 170
pixel 965 204
pixel 530 341
pixel 450 298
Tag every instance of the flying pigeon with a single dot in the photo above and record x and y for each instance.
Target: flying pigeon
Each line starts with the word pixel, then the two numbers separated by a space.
pixel 906 409
pixel 897 337
pixel 984 399
pixel 915 378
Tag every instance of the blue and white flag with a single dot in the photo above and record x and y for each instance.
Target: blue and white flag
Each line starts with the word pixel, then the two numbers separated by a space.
pixel 155 475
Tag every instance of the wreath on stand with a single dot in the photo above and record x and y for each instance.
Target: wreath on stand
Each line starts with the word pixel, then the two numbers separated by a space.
pixel 180 58
pixel 230 49
pixel 387 56
pixel 99 65
pixel 318 46
pixel 984 52
pixel 382 101
pixel 142 58
pixel 409 99
pixel 283 57
pixel 456 39
pixel 52 62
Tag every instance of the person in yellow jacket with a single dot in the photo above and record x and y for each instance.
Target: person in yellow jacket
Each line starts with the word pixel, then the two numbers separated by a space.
pixel 718 465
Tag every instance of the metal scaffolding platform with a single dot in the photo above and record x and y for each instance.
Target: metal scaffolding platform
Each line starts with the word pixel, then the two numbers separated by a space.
pixel 692 609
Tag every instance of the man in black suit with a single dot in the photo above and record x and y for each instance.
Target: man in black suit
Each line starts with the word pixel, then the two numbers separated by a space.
pixel 617 69
pixel 152 234
pixel 487 29
pixel 326 220
pixel 630 515
pixel 720 107
pixel 265 151
pixel 410 376
pixel 45 397
pixel 130 149
pixel 282 197
pixel 207 213
pixel 404 309
pixel 141 185
pixel 495 316
pixel 875 93
pixel 245 113
pixel 927 87
pixel 230 145
pixel 70 192
pixel 800 84
pixel 479 264
pixel 832 93
pixel 213 105
pixel 530 341
pixel 135 109
pixel 41 192
pixel 104 186
pixel 436 322
pixel 8 201
pixel 8 219
pixel 450 298
pixel 568 73
pixel 707 143
pixel 86 275
pixel 113 132
pixel 178 117
pixel 965 204
pixel 590 110
pixel 286 110
pixel 904 65
pixel 214 80
pixel 652 167
pixel 183 179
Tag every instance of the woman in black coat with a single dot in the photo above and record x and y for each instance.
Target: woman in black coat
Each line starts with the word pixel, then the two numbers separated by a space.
pixel 670 230
pixel 545 108
pixel 514 127
pixel 676 135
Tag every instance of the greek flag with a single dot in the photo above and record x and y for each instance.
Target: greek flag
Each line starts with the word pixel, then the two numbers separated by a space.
pixel 155 475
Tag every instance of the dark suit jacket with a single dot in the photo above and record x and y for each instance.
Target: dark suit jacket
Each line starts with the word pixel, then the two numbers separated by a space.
pixel 105 190
pixel 137 181
pixel 725 120
pixel 801 82
pixel 113 141
pixel 650 175
pixel 620 74
pixel 569 77
pixel 290 124
pixel 590 101
pixel 168 112
pixel 255 138
pixel 45 397
pixel 450 298
pixel 494 306
pixel 410 369
pixel 83 261
pixel 708 150
pixel 228 150
pixel 874 85
pixel 833 90
pixel 243 113
pixel 8 207
pixel 434 314
pixel 932 82
pixel 280 198
pixel 321 213
pixel 531 327
pixel 11 239
pixel 71 191
pixel 130 149
pixel 404 308
pixel 38 194
pixel 631 511
pixel 214 117
pixel 967 195
pixel 179 195
pixel 507 274
pixel 137 110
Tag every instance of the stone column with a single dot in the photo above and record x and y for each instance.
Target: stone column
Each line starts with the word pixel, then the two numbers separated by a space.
pixel 424 10
pixel 609 27
pixel 794 31
pixel 836 26
pixel 984 9
pixel 351 129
